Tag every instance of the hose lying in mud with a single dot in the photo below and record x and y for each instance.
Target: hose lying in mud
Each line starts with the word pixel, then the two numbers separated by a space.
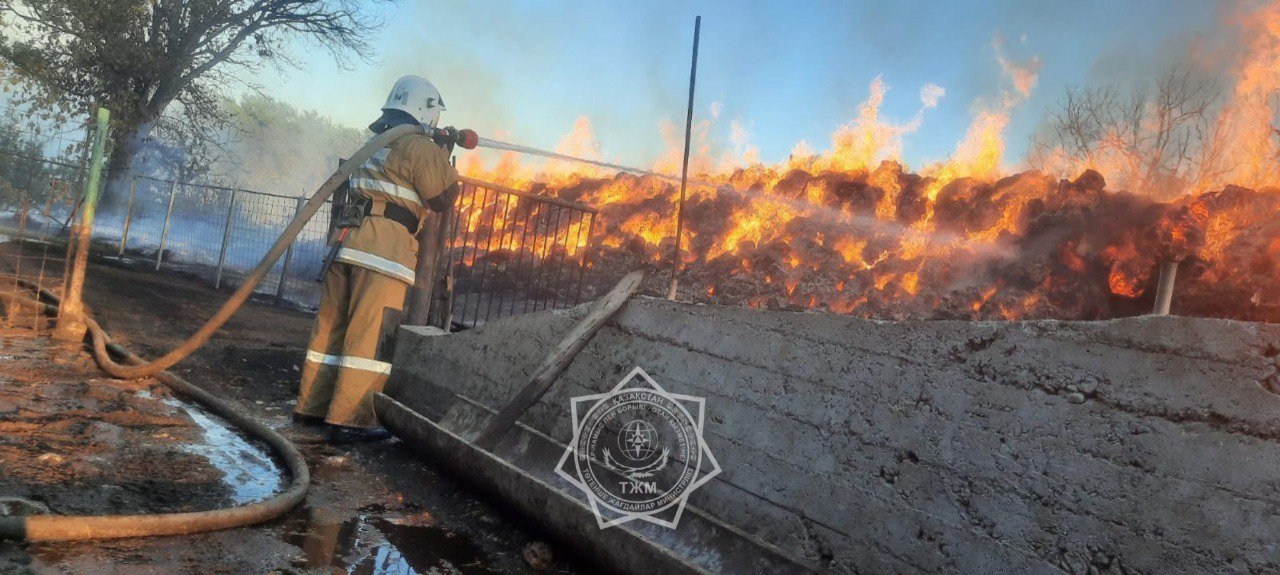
pixel 73 528
pixel 67 528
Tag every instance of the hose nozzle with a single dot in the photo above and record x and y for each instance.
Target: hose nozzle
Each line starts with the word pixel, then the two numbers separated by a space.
pixel 452 136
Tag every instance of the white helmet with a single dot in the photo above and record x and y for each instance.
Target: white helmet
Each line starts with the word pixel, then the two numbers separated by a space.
pixel 418 97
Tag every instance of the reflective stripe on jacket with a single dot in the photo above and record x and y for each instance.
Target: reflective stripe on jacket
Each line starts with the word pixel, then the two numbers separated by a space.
pixel 412 170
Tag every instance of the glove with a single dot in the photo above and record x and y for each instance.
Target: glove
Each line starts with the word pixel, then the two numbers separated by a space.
pixel 442 202
pixel 446 138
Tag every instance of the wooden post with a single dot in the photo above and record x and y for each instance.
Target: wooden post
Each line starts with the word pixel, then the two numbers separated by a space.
pixel 71 326
pixel 128 217
pixel 559 359
pixel 22 219
pixel 444 311
pixel 168 214
pixel 424 283
pixel 288 256
pixel 441 312
pixel 226 239
pixel 431 243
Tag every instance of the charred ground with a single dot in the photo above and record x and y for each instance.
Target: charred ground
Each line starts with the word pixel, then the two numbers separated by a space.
pixel 368 503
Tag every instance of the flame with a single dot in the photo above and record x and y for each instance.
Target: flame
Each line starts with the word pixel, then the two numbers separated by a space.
pixel 1247 122
pixel 852 230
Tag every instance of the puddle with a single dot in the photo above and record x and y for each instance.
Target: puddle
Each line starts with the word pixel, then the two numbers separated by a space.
pixel 368 545
pixel 247 468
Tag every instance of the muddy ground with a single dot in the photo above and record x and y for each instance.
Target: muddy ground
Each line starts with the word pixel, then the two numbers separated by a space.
pixel 81 443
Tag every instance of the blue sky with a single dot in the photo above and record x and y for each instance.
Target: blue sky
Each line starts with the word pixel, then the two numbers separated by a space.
pixel 788 71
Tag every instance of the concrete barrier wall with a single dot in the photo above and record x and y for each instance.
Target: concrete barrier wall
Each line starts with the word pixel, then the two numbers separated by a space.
pixel 1136 445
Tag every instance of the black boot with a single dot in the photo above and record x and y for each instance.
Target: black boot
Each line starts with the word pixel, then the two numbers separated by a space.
pixel 303 419
pixel 343 434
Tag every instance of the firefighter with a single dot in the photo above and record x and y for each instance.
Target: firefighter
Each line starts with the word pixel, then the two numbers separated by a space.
pixel 372 267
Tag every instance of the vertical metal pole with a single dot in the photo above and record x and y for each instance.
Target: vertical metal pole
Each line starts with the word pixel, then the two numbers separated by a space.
pixel 520 248
pixel 70 326
pixel 684 170
pixel 226 239
pixel 535 259
pixel 1164 290
pixel 551 259
pixel 488 261
pixel 505 242
pixel 288 256
pixel 491 267
pixel 472 288
pixel 164 234
pixel 128 217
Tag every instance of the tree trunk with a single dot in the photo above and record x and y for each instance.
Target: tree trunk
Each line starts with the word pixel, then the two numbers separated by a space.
pixel 120 167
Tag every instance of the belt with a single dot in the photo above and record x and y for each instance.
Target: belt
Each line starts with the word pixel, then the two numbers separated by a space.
pixel 402 216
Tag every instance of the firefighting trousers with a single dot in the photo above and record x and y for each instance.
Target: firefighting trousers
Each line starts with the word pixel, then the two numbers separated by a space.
pixel 348 358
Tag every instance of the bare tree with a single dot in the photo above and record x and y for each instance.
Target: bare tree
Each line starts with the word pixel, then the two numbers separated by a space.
pixel 140 57
pixel 1158 139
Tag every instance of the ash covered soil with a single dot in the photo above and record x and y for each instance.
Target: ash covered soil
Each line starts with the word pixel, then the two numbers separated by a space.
pixel 80 443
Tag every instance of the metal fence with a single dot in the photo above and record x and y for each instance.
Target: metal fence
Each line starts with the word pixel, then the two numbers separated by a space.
pixel 506 250
pixel 219 234
pixel 513 252
pixel 42 170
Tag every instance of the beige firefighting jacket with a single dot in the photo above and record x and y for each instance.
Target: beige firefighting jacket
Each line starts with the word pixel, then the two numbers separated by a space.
pixel 408 173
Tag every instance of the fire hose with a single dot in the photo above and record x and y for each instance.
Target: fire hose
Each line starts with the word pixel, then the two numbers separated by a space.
pixel 242 294
pixel 66 528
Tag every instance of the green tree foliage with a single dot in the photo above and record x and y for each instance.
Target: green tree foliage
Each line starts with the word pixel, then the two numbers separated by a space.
pixel 26 170
pixel 141 57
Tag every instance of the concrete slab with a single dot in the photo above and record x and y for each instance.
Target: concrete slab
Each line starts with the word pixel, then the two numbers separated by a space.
pixel 1144 444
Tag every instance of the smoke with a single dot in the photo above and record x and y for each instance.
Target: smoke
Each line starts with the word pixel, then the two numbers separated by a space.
pixel 743 152
pixel 276 148
pixel 1024 75
pixel 931 94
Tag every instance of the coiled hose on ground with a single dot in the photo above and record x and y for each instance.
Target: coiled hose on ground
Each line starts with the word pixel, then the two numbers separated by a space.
pixel 68 528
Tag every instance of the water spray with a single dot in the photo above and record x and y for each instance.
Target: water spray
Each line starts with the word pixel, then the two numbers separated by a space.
pixel 470 140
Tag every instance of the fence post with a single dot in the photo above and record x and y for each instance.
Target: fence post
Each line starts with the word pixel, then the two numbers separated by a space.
pixel 128 216
pixel 226 237
pixel 288 256
pixel 1164 289
pixel 22 219
pixel 164 235
pixel 430 246
pixel 70 326
pixel 424 282
pixel 582 262
pixel 441 294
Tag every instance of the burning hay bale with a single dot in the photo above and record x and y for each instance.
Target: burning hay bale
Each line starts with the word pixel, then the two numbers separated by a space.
pixel 889 244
